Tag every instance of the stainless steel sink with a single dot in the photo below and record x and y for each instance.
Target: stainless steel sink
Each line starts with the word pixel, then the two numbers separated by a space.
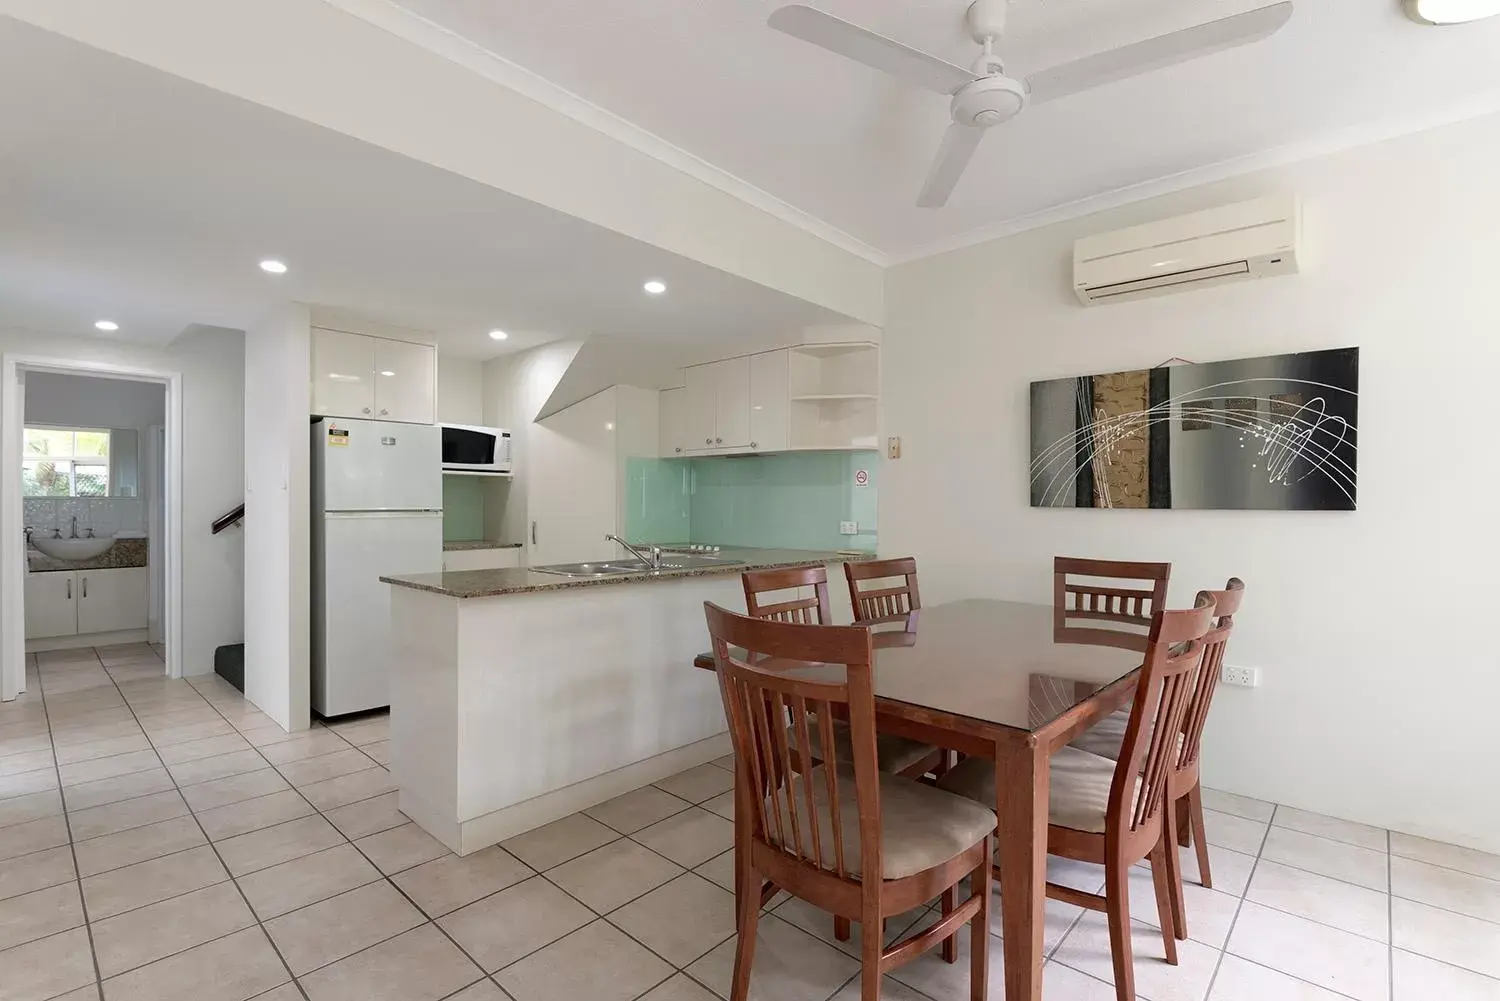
pixel 618 568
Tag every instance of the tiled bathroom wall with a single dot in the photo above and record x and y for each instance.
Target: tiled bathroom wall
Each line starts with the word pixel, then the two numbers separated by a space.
pixel 105 515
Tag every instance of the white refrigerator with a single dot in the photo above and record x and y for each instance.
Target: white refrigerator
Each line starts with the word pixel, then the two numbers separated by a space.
pixel 377 509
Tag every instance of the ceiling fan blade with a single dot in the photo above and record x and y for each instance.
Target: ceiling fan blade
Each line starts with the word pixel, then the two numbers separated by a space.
pixel 864 46
pixel 1156 53
pixel 959 144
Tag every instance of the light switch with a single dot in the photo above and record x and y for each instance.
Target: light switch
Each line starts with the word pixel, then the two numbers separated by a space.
pixel 893 448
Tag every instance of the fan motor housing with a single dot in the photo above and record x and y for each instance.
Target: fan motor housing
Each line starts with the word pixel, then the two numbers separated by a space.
pixel 990 101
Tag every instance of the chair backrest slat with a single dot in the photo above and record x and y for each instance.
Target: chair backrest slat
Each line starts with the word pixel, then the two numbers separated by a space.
pixel 1174 654
pixel 1226 604
pixel 761 667
pixel 811 610
pixel 883 602
pixel 1129 609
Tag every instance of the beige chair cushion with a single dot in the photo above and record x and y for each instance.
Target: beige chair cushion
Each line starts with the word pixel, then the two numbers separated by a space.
pixel 1106 737
pixel 920 826
pixel 894 754
pixel 1079 790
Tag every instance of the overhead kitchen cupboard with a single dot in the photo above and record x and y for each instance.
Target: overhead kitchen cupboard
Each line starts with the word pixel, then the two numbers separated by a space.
pixel 373 378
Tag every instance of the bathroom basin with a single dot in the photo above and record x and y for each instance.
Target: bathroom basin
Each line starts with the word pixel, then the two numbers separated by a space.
pixel 73 549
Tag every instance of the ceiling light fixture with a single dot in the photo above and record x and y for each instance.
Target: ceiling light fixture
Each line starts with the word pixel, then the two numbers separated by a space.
pixel 1450 11
pixel 272 266
pixel 655 287
pixel 498 335
pixel 387 372
pixel 107 326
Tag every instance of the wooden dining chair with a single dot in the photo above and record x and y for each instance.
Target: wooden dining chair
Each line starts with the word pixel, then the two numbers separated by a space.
pixel 846 837
pixel 895 754
pixel 1080 606
pixel 883 602
pixel 1113 813
pixel 1185 800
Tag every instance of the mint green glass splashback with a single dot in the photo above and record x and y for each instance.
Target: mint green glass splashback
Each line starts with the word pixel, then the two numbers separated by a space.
pixel 463 508
pixel 787 500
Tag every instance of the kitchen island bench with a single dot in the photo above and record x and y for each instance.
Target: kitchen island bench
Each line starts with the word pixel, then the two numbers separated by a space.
pixel 520 697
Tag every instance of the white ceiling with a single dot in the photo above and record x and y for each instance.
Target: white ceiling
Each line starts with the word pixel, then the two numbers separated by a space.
pixel 134 195
pixel 850 146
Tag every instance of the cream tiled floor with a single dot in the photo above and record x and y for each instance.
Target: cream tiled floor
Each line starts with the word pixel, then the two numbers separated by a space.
pixel 165 840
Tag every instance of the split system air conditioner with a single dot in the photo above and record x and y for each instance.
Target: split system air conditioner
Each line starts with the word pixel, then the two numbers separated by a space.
pixel 1252 239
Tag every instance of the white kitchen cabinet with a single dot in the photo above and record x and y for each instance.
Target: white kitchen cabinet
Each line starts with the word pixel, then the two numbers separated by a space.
pixel 405 382
pixel 373 378
pixel 343 369
pixel 770 407
pixel 571 486
pixel 718 405
pixel 112 600
pixel 482 559
pixel 50 606
pixel 673 423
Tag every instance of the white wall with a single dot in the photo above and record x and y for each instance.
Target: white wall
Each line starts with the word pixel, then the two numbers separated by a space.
pixel 1375 703
pixel 277 598
pixel 84 401
pixel 460 390
pixel 212 364
pixel 515 388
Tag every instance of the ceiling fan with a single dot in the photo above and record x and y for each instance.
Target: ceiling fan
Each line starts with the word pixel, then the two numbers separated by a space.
pixel 983 96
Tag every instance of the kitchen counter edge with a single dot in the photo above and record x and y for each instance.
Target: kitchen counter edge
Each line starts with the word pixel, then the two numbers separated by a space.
pixel 524 580
pixel 465 545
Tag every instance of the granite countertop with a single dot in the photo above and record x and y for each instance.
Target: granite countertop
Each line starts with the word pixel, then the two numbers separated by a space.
pixel 523 580
pixel 459 545
pixel 124 553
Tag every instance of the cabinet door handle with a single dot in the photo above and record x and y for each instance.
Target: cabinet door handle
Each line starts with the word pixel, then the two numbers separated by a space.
pixel 755 444
pixel 718 441
pixel 384 412
pixel 366 410
pixel 70 588
pixel 533 533
pixel 679 448
pixel 85 587
pixel 708 441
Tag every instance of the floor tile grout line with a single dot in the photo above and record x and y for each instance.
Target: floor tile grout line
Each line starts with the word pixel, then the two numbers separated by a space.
pixel 83 904
pixel 1229 935
pixel 246 900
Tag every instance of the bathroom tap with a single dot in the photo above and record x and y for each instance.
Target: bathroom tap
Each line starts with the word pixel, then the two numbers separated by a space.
pixel 652 555
pixel 75 528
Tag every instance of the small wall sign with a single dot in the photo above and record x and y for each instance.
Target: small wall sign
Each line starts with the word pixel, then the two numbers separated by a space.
pixel 861 477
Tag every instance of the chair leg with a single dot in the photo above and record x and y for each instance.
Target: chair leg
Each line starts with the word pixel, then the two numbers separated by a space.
pixel 1117 909
pixel 748 923
pixel 1165 907
pixel 870 948
pixel 979 932
pixel 1184 828
pixel 1173 859
pixel 950 944
pixel 841 929
pixel 1200 834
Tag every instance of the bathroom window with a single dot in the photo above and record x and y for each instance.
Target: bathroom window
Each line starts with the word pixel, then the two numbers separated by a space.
pixel 65 462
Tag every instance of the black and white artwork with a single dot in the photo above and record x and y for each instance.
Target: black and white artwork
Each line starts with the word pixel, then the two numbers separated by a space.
pixel 1272 434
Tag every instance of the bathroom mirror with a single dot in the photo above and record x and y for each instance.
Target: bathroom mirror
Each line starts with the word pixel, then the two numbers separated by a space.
pixel 124 462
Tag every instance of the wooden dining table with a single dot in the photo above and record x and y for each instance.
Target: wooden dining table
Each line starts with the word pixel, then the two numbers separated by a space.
pixel 988 678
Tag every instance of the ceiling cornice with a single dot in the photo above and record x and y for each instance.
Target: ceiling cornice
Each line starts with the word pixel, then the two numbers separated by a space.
pixel 420 31
pixel 1280 156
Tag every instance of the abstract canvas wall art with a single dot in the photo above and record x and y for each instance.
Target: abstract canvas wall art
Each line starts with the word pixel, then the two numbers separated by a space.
pixel 1277 434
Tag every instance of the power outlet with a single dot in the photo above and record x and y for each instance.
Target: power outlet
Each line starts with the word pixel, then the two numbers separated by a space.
pixel 848 528
pixel 1242 677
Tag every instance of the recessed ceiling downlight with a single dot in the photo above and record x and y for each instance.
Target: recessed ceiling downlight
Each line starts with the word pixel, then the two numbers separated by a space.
pixel 1450 11
pixel 272 266
pixel 108 326
pixel 655 287
pixel 498 335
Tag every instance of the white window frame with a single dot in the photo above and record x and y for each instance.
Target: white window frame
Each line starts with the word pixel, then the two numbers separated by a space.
pixel 72 458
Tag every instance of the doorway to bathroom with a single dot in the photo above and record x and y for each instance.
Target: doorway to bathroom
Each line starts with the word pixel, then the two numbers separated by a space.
pixel 91 552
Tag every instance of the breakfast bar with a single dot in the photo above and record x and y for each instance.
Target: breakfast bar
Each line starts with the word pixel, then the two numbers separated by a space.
pixel 519 697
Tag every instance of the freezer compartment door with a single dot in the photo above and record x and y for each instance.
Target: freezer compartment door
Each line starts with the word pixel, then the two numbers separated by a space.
pixel 351 607
pixel 376 466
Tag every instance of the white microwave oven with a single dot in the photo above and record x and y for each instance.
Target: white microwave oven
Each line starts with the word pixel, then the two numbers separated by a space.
pixel 477 451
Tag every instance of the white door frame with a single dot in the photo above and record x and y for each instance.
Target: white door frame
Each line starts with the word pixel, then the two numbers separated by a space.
pixel 12 539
